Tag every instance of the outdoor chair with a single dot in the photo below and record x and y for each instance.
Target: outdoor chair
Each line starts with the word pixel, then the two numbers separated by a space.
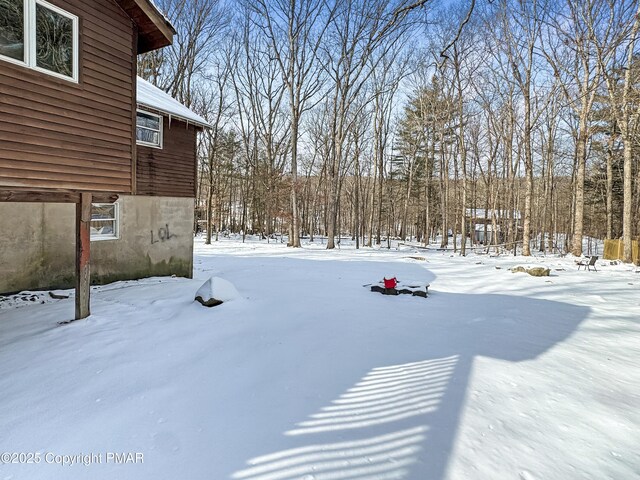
pixel 587 263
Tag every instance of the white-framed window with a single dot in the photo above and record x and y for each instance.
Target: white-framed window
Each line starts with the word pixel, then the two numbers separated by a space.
pixel 105 221
pixel 39 35
pixel 148 129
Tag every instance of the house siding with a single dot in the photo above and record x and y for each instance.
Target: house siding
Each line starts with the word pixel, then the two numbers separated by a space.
pixel 56 134
pixel 170 171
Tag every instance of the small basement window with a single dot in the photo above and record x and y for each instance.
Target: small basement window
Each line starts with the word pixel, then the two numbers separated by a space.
pixel 39 35
pixel 104 221
pixel 149 129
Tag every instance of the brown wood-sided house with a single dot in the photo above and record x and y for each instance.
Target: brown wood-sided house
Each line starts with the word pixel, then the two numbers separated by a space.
pixel 95 163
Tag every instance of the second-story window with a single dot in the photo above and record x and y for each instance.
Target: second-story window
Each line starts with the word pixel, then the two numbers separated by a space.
pixel 12 29
pixel 39 35
pixel 55 40
pixel 149 129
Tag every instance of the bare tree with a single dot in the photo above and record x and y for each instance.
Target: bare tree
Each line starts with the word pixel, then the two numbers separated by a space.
pixel 569 51
pixel 177 68
pixel 294 30
pixel 359 38
pixel 521 26
pixel 216 108
pixel 261 119
pixel 613 28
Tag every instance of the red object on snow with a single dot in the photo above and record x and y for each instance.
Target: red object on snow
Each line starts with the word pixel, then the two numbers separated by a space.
pixel 390 282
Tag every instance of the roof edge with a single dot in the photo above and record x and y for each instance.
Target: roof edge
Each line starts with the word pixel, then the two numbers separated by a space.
pixel 157 17
pixel 154 28
pixel 148 96
pixel 154 109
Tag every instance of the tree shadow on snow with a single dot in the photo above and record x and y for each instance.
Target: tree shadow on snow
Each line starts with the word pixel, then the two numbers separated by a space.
pixel 400 419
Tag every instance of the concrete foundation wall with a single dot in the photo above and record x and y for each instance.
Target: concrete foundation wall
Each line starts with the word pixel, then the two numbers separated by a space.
pixel 37 243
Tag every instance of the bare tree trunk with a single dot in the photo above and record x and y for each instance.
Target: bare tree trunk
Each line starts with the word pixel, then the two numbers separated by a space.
pixel 444 192
pixel 581 159
pixel 295 227
pixel 627 216
pixel 526 227
pixel 463 155
pixel 609 194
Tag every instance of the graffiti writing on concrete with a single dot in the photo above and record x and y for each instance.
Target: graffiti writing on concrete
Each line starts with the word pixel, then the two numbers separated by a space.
pixel 164 234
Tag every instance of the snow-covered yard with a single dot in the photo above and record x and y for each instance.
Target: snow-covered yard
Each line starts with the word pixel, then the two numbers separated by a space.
pixel 496 375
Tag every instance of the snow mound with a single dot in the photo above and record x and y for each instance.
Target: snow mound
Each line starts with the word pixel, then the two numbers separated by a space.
pixel 215 291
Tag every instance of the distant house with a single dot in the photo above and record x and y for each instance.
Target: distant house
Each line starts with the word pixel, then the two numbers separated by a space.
pixel 483 234
pixel 481 224
pixel 88 150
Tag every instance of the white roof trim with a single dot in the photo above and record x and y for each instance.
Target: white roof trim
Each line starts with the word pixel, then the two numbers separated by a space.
pixel 152 97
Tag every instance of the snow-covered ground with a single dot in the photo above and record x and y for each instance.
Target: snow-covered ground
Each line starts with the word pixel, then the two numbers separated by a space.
pixel 309 375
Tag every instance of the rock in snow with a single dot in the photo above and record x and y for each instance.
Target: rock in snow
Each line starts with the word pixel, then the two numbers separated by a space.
pixel 215 291
pixel 534 272
pixel 539 272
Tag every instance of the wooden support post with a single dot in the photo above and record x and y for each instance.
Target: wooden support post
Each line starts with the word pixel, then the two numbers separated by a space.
pixel 83 255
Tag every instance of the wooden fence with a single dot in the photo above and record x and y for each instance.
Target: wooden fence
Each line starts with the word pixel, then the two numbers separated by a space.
pixel 613 250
